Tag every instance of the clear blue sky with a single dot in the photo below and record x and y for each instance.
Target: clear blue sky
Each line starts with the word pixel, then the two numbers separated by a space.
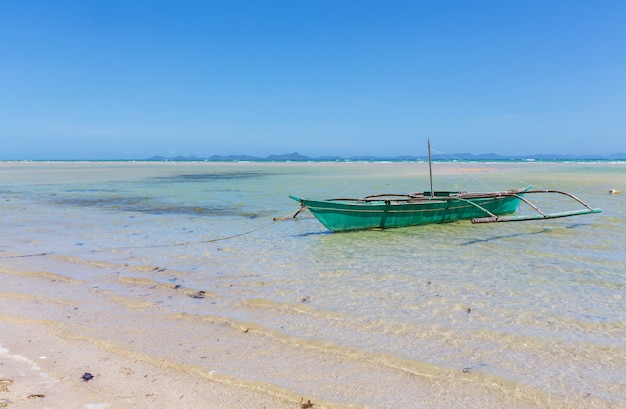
pixel 108 79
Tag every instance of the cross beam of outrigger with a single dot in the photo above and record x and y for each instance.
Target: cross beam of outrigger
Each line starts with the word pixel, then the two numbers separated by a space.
pixel 493 218
pixel 540 215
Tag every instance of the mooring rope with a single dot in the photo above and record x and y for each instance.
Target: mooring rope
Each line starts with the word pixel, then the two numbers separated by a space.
pixel 276 220
pixel 291 215
pixel 28 255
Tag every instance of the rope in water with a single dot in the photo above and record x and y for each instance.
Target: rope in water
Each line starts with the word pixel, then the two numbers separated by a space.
pixel 276 220
pixel 291 215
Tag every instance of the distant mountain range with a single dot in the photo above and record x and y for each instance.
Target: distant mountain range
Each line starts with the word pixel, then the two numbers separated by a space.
pixel 296 157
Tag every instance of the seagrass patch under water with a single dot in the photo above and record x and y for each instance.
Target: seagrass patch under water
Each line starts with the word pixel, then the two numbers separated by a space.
pixel 150 206
pixel 206 177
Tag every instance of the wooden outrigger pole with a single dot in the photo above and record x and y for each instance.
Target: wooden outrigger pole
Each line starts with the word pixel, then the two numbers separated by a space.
pixel 492 218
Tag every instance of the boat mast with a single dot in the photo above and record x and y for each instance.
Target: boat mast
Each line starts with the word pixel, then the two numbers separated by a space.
pixel 430 171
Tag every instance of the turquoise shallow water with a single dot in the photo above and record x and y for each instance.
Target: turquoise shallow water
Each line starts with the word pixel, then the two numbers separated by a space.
pixel 532 314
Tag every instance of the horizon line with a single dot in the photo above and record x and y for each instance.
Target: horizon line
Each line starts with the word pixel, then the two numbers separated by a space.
pixel 295 156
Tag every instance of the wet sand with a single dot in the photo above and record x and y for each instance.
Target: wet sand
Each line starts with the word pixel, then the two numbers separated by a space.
pixel 40 370
pixel 44 356
pixel 54 329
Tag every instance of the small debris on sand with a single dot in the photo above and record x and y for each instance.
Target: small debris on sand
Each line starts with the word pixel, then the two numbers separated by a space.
pixel 4 384
pixel 305 405
pixel 198 294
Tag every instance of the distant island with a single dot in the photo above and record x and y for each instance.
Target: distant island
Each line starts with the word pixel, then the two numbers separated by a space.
pixel 296 157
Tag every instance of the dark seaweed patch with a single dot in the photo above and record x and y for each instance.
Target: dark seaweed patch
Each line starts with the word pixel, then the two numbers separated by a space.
pixel 148 206
pixel 94 190
pixel 207 177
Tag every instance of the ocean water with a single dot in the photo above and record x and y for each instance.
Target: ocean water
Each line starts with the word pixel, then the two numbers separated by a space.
pixel 184 264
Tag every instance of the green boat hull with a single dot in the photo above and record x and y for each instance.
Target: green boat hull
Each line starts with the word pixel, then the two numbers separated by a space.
pixel 348 214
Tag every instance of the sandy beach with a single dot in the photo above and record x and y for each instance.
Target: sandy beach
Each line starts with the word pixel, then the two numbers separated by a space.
pixel 49 344
pixel 54 356
pixel 55 380
pixel 48 364
pixel 30 379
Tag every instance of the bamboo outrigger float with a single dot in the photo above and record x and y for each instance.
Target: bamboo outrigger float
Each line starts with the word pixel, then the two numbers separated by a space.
pixel 383 211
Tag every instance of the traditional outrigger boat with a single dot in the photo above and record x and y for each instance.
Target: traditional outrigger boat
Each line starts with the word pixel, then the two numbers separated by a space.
pixel 383 211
